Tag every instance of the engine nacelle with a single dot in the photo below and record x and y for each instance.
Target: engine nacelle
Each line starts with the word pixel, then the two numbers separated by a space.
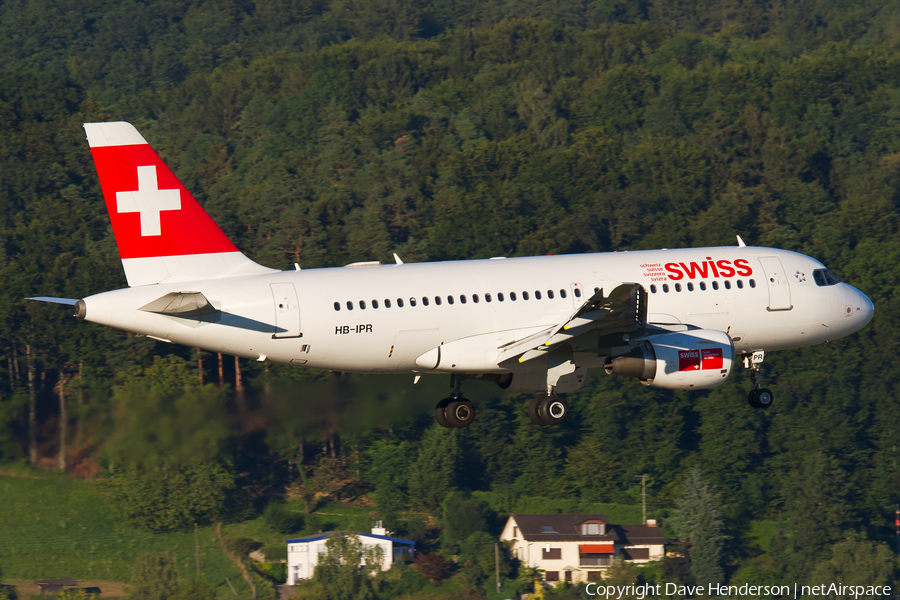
pixel 702 358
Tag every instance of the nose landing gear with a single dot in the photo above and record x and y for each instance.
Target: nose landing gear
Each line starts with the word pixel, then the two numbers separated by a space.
pixel 759 397
pixel 455 411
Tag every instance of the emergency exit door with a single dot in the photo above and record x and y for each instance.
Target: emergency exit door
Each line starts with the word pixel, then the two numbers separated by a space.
pixel 777 283
pixel 287 310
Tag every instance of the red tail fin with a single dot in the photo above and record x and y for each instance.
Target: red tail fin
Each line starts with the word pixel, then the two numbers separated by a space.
pixel 154 217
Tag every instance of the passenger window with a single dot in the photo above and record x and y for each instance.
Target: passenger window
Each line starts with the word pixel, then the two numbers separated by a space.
pixel 387 303
pixel 537 294
pixel 652 289
pixel 500 296
pixel 412 301
pixel 702 286
pixel 677 287
pixel 424 301
pixel 753 283
pixel 715 285
pixel 550 294
pixel 475 298
pixel 666 288
pixel 399 302
pixel 578 292
pixel 362 304
pixel 524 295
pixel 349 305
pixel 512 296
pixel 449 299
pixel 487 297
pixel 727 285
pixel 337 306
pixel 437 300
pixel 690 287
pixel 740 284
pixel 462 299
pixel 374 303
pixel 562 293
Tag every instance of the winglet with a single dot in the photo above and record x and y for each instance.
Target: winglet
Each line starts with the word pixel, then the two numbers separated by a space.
pixel 397 259
pixel 741 243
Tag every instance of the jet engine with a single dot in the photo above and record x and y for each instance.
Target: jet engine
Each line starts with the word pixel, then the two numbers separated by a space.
pixel 684 360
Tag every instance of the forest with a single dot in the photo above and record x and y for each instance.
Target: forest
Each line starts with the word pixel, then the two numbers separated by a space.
pixel 324 132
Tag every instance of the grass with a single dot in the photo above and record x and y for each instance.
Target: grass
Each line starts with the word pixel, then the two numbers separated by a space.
pixel 52 526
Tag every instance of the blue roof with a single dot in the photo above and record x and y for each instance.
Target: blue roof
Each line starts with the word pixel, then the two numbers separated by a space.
pixel 322 536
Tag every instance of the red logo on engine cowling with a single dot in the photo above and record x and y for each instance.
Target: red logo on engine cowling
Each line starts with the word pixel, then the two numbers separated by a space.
pixel 709 268
pixel 696 360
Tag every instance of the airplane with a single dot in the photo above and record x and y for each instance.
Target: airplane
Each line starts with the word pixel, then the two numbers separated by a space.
pixel 678 319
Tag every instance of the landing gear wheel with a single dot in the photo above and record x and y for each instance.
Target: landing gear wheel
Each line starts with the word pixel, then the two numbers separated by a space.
pixel 764 398
pixel 440 412
pixel 751 398
pixel 460 413
pixel 534 411
pixel 553 410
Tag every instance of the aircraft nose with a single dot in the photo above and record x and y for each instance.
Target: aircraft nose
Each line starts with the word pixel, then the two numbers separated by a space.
pixel 866 308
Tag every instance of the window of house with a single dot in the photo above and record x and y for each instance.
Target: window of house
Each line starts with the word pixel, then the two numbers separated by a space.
pixel 424 301
pixel 590 529
pixel 552 554
pixel 568 576
pixel 349 305
pixel 387 303
pixel 400 302
pixel 374 303
pixel 337 306
pixel 537 294
pixel 637 553
pixel 450 300
pixel 551 575
pixel 500 296
pixel 515 531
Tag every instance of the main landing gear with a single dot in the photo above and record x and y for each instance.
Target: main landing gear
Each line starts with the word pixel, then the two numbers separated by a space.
pixel 455 411
pixel 548 410
pixel 759 397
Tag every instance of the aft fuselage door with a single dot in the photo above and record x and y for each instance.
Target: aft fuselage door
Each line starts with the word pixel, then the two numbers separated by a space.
pixel 287 310
pixel 777 282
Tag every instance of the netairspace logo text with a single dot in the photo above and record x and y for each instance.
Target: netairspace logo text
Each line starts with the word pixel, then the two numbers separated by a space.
pixel 716 589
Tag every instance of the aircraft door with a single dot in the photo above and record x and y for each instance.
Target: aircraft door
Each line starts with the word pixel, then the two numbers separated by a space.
pixel 777 282
pixel 577 292
pixel 287 310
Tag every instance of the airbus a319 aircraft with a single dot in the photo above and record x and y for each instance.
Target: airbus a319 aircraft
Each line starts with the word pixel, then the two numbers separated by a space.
pixel 674 319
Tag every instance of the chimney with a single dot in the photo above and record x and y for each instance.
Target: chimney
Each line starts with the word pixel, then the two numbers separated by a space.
pixel 651 522
pixel 379 529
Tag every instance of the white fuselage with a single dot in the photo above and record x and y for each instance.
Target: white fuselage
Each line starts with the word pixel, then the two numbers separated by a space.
pixel 782 308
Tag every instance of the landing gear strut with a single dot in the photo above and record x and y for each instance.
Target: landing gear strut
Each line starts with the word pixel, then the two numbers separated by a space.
pixel 548 410
pixel 455 411
pixel 759 397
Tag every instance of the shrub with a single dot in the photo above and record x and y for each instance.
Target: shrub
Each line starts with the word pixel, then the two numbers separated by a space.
pixel 280 518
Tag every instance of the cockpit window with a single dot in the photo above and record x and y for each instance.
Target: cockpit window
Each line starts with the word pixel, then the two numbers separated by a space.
pixel 824 277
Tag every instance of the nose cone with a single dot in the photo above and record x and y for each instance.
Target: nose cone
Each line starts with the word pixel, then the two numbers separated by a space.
pixel 866 308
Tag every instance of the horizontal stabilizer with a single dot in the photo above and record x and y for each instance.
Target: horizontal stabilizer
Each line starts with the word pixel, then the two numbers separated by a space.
pixel 180 304
pixel 66 301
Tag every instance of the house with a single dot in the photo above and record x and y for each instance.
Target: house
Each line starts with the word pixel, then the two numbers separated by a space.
pixel 303 553
pixel 579 548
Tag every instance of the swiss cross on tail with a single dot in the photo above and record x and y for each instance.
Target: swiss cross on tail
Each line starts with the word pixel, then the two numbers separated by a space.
pixel 152 213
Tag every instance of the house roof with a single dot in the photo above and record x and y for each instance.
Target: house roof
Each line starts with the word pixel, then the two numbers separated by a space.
pixel 561 528
pixel 564 528
pixel 321 536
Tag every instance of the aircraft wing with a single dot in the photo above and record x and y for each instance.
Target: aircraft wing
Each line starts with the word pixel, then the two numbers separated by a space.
pixel 623 310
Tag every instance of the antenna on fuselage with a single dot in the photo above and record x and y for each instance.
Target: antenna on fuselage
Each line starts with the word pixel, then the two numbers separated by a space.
pixel 741 243
pixel 397 259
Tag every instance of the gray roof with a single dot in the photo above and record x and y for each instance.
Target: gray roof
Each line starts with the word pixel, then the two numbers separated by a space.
pixel 565 528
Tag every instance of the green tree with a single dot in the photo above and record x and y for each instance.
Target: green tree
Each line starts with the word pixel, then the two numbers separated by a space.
pixel 856 561
pixel 348 570
pixel 698 519
pixel 433 474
